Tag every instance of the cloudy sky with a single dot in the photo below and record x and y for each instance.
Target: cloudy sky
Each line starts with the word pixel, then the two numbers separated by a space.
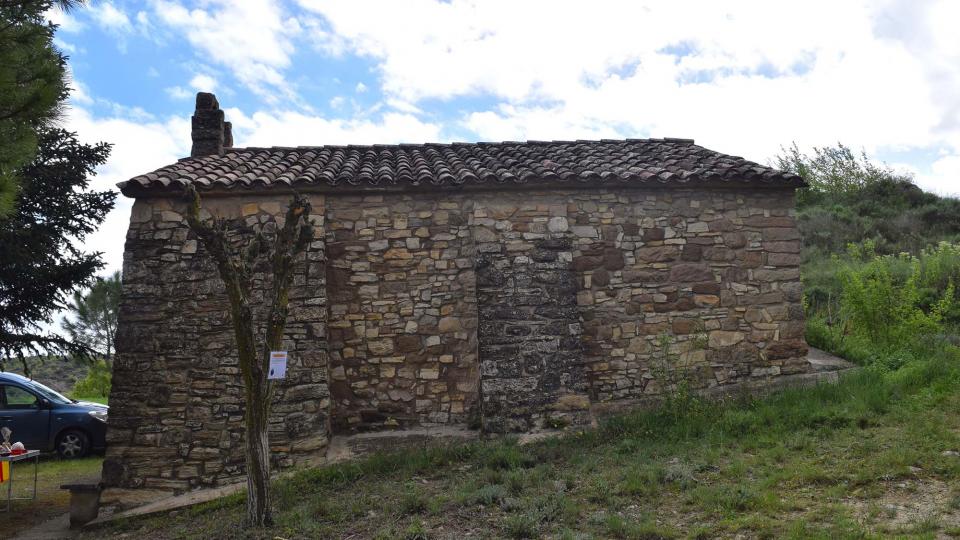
pixel 742 77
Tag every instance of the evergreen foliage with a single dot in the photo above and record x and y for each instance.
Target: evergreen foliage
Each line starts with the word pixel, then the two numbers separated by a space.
pixel 94 322
pixel 33 86
pixel 42 261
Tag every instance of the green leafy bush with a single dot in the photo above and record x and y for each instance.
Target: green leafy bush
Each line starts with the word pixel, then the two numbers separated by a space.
pixel 96 383
pixel 883 310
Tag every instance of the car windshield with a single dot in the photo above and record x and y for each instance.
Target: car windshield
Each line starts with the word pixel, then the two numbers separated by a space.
pixel 49 393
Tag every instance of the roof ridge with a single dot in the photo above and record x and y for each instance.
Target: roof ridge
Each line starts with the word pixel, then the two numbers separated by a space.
pixel 678 140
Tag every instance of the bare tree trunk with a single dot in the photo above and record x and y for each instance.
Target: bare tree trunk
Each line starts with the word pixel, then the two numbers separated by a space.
pixel 257 417
pixel 291 240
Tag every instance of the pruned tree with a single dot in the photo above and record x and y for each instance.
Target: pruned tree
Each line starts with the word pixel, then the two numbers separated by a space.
pixel 235 265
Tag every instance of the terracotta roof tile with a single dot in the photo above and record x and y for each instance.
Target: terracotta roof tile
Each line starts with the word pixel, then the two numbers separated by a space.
pixel 631 161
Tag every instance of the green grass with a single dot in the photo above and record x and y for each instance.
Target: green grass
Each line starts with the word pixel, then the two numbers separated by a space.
pixel 51 501
pixel 798 464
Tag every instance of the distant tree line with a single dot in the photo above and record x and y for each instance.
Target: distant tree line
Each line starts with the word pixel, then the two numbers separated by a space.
pixel 851 199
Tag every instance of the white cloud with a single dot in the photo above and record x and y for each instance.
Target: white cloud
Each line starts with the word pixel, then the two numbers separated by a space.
pixel 943 177
pixel 250 38
pixel 541 48
pixel 203 83
pixel 109 17
pixel 65 46
pixel 178 92
pixel 360 88
pixel 744 77
pixel 79 93
pixel 403 106
pixel 65 21
pixel 290 128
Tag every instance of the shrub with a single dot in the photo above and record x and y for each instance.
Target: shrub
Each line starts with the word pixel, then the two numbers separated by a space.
pixel 524 525
pixel 412 501
pixel 851 198
pixel 882 310
pixel 416 531
pixel 489 494
pixel 96 383
pixel 676 373
pixel 887 310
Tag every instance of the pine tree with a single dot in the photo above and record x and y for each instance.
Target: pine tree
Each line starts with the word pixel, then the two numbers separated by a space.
pixel 41 260
pixel 94 321
pixel 33 86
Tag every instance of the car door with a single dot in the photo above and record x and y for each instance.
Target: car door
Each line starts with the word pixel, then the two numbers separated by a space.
pixel 23 412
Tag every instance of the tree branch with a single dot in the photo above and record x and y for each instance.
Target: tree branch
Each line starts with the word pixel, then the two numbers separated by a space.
pixel 214 240
pixel 292 239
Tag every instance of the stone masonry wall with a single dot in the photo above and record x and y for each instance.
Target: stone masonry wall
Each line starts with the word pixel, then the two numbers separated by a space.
pixel 403 313
pixel 176 417
pixel 578 289
pixel 722 265
pixel 512 310
pixel 530 333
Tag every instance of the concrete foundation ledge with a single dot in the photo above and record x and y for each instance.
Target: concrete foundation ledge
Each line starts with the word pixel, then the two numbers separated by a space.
pixel 824 368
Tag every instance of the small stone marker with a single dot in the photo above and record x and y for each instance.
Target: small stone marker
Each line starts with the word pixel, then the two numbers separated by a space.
pixel 278 365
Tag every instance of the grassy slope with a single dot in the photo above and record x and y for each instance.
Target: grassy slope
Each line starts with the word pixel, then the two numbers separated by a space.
pixel 832 462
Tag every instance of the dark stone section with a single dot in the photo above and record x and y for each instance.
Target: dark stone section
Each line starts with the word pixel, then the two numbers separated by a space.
pixel 531 361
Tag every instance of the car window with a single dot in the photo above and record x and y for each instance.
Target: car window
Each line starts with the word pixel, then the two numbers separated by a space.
pixel 18 398
pixel 48 393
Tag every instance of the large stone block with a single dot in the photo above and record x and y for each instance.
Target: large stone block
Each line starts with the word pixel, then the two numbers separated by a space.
pixel 689 273
pixel 657 253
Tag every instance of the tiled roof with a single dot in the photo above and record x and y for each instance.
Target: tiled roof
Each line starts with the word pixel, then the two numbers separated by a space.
pixel 411 166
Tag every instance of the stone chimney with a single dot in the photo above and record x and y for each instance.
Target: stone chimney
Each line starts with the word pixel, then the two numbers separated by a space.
pixel 210 133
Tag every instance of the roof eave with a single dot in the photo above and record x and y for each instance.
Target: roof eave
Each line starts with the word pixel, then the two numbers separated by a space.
pixel 176 188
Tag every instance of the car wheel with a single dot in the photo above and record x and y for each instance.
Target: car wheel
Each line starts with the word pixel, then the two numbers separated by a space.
pixel 73 444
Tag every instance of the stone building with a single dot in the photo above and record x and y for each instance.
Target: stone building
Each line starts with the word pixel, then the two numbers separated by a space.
pixel 504 286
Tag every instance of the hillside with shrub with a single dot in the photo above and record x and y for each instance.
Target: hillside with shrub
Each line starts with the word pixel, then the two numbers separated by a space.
pixel 852 199
pixel 59 373
pixel 880 259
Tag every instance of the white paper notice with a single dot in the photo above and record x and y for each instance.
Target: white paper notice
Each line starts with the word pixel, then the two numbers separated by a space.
pixel 278 365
